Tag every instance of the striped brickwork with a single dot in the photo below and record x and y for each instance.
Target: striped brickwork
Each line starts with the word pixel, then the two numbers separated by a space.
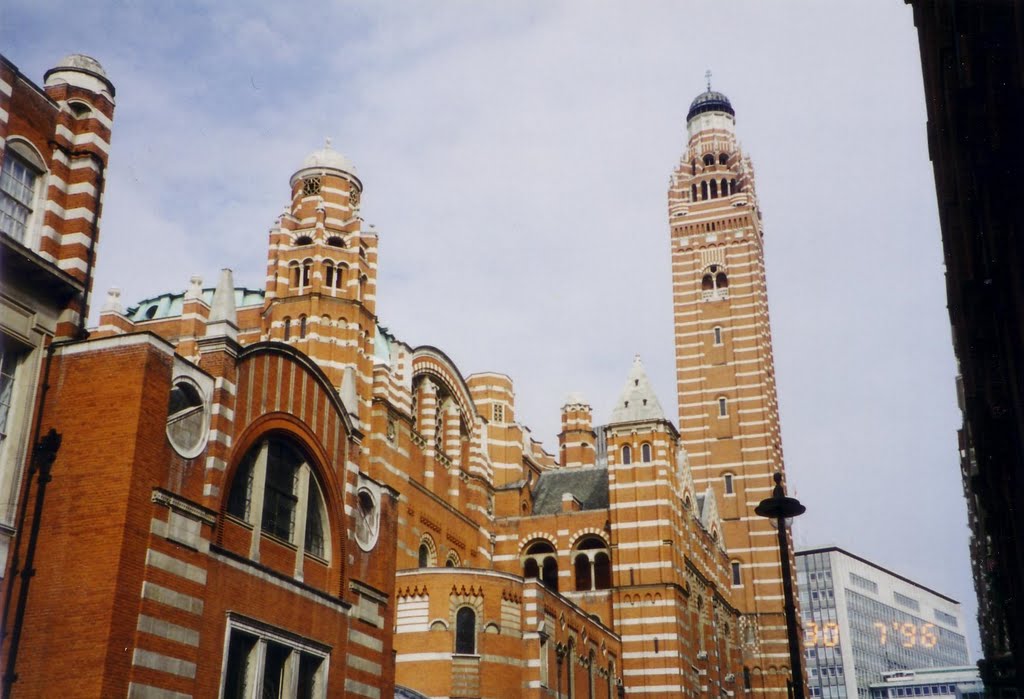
pixel 728 410
pixel 54 146
pixel 528 642
pixel 672 598
pixel 167 570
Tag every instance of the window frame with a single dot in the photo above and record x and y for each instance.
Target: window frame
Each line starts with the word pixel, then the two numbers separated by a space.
pixel 264 635
pixel 24 155
pixel 459 630
pixel 723 406
pixel 308 494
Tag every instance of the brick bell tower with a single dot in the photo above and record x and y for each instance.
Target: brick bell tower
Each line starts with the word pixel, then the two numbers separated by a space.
pixel 322 276
pixel 725 376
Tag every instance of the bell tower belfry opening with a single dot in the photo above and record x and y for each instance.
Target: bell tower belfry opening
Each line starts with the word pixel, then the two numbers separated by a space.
pixel 725 377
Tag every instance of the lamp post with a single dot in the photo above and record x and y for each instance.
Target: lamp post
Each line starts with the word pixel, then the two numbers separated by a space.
pixel 779 508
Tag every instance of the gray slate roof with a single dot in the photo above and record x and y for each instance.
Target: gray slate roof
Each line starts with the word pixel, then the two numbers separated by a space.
pixel 588 485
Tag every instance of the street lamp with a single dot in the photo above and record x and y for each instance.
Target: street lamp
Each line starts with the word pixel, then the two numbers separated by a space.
pixel 779 508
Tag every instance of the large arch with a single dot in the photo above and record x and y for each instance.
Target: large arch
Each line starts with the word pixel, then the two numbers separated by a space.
pixel 432 362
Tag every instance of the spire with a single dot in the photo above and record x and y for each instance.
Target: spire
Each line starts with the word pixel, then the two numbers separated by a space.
pixel 223 317
pixel 637 400
pixel 707 76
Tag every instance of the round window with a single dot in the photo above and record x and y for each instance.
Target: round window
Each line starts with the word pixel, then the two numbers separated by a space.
pixel 367 519
pixel 187 419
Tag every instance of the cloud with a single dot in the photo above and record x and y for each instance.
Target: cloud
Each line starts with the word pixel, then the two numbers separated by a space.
pixel 516 159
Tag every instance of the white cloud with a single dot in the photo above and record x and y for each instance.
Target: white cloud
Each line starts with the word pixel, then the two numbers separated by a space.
pixel 516 158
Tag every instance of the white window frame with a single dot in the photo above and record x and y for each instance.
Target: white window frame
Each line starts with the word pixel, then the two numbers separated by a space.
pixel 23 152
pixel 265 634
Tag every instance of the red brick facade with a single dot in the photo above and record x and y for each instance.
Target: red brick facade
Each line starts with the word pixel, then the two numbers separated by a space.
pixel 265 490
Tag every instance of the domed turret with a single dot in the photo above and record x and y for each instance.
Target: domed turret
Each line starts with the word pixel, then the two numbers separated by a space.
pixel 326 159
pixel 81 71
pixel 710 101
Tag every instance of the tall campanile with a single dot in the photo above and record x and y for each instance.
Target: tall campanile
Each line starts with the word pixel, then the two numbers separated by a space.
pixel 725 376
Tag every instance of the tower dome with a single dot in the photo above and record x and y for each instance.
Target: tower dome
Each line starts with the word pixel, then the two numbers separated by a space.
pixel 81 71
pixel 79 61
pixel 327 158
pixel 710 101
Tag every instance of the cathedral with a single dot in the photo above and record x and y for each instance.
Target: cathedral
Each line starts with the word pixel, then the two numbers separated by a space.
pixel 241 492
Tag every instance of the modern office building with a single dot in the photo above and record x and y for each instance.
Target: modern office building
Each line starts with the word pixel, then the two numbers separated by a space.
pixel 861 620
pixel 942 682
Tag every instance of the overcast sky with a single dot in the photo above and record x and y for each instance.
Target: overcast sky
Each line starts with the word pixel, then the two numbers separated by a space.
pixel 516 158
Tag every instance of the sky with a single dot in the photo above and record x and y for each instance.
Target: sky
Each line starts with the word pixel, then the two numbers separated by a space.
pixel 515 158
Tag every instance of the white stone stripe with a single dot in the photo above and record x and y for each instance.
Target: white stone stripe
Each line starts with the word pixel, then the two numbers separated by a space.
pixel 165 629
pixel 6 88
pixel 421 657
pixel 365 640
pixel 175 566
pixel 362 664
pixel 145 691
pixel 163 595
pixel 73 263
pixel 163 663
pixel 361 688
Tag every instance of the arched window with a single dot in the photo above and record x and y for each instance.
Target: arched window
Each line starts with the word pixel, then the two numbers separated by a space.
pixel 303 240
pixel 645 452
pixel 592 565
pixel 714 283
pixel 539 562
pixel 723 158
pixel 549 574
pixel 704 190
pixel 602 571
pixel 733 188
pixel 725 187
pixel 737 579
pixel 581 566
pixel 465 631
pixel 287 329
pixel 427 554
pixel 452 561
pixel 295 275
pixel 531 569
pixel 714 189
pixel 723 406
pixel 328 274
pixel 717 331
pixel 292 507
pixel 336 241
pixel 693 166
pixel 307 266
pixel 21 173
pixel 627 454
pixel 728 484
pixel 709 160
pixel 693 192
pixel 302 327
